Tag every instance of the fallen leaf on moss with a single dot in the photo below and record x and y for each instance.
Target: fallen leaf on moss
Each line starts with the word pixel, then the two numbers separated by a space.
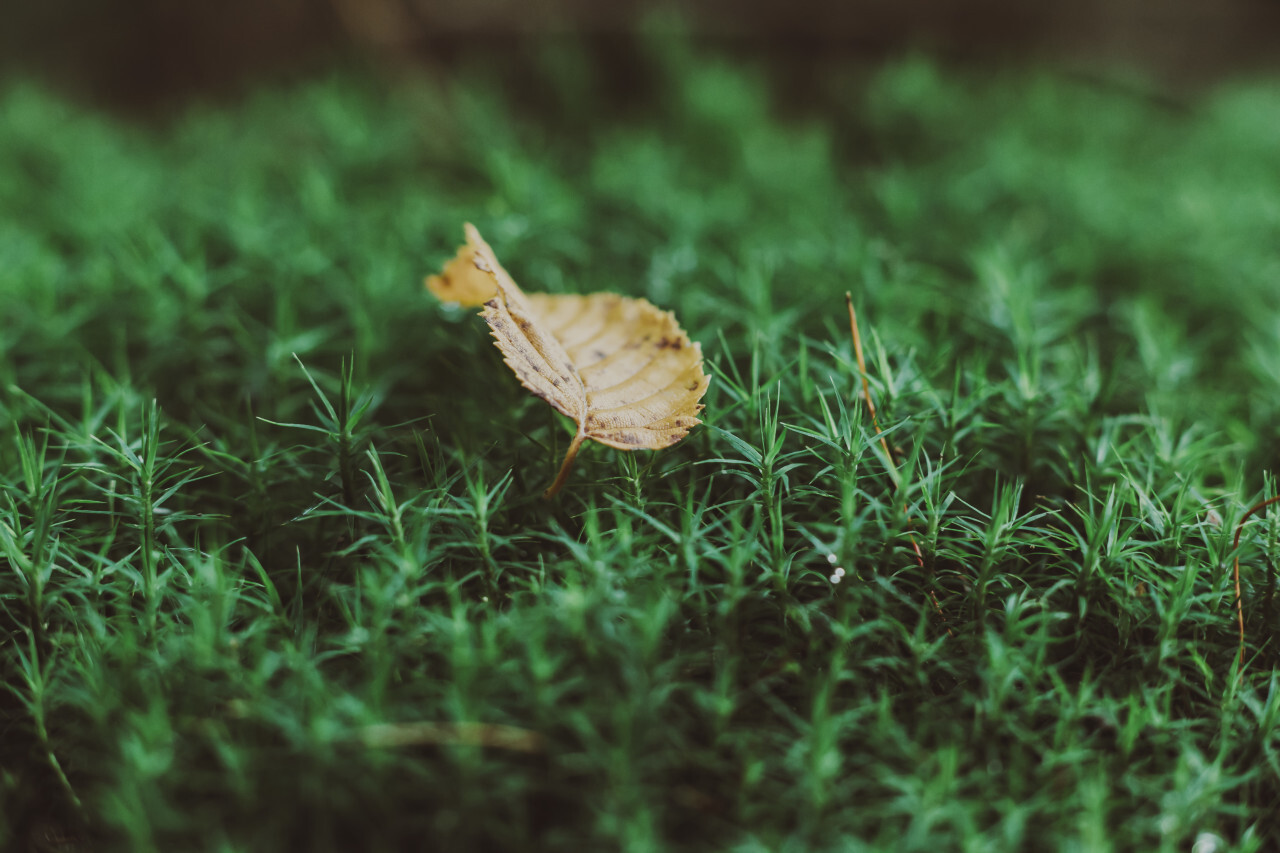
pixel 623 370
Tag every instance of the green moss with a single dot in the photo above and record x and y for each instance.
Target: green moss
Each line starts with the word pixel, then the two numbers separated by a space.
pixel 259 493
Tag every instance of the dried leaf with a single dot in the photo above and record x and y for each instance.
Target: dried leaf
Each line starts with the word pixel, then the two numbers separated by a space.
pixel 461 281
pixel 623 370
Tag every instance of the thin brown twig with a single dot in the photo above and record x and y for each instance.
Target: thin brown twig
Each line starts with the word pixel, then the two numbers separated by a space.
pixel 1235 546
pixel 866 386
pixel 888 452
pixel 492 735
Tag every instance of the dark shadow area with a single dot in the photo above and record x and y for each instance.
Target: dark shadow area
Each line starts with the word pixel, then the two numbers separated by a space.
pixel 145 55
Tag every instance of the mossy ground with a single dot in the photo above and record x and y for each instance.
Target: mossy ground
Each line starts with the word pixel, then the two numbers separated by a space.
pixel 265 506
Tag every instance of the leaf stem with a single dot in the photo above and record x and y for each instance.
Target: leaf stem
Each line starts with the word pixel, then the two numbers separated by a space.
pixel 567 464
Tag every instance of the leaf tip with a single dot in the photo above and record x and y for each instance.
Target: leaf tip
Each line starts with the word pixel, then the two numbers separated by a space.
pixel 459 282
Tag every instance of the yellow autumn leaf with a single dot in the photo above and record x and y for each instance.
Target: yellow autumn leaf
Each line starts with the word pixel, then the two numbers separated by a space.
pixel 622 369
pixel 461 281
